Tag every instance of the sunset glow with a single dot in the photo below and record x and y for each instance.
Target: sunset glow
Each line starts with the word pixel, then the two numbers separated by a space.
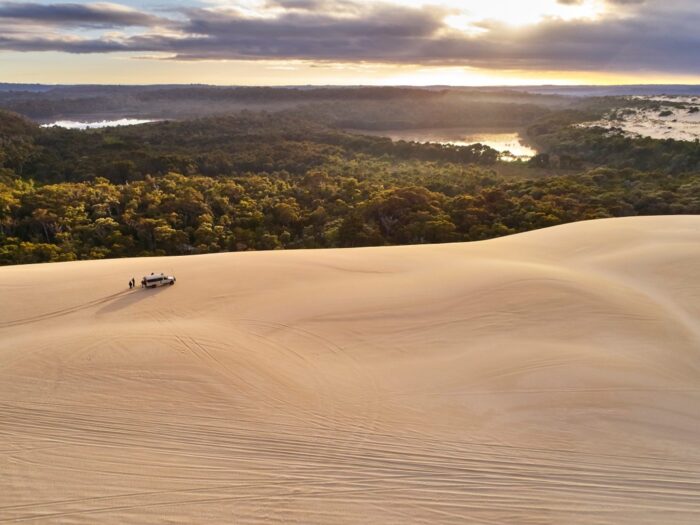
pixel 294 42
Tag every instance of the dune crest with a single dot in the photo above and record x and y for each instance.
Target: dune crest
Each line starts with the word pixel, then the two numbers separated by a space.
pixel 546 378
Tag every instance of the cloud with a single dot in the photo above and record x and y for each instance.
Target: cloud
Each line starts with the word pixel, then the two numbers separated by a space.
pixel 307 5
pixel 649 37
pixel 95 15
pixel 319 6
pixel 613 2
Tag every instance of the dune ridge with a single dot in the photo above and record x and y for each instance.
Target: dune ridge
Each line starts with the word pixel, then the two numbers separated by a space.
pixel 545 378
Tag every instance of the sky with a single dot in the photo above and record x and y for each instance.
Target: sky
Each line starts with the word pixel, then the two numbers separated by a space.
pixel 389 42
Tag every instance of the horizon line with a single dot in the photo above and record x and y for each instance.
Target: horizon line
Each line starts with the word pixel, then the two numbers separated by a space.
pixel 291 86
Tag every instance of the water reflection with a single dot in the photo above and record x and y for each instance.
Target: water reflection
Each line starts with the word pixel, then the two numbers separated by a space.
pixel 509 141
pixel 72 124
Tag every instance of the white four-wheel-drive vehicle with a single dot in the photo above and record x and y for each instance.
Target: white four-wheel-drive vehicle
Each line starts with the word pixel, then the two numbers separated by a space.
pixel 157 279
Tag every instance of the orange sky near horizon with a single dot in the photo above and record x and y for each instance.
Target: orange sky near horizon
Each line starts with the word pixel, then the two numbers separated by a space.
pixel 59 68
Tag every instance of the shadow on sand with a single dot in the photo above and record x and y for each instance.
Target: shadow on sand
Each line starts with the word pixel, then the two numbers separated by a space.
pixel 137 295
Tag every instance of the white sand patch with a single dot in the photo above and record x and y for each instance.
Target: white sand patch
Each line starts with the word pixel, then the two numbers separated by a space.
pixel 663 122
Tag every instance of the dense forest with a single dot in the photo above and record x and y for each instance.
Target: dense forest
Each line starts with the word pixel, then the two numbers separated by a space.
pixel 264 180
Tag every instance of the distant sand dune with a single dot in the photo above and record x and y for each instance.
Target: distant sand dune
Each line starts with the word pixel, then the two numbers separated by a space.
pixel 547 378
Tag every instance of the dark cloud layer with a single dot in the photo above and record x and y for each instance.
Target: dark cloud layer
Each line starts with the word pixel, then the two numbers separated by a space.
pixel 96 15
pixel 637 36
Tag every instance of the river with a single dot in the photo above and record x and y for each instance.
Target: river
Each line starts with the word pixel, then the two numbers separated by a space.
pixel 505 141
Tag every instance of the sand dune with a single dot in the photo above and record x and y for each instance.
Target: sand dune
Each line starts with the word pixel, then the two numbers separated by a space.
pixel 546 378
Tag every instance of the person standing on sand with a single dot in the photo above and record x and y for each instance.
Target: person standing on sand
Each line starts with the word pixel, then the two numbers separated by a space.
pixel 131 285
